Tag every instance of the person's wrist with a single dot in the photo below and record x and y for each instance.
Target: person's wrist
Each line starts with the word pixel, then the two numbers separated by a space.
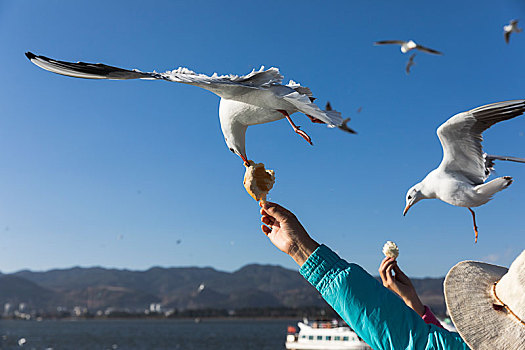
pixel 301 250
pixel 415 304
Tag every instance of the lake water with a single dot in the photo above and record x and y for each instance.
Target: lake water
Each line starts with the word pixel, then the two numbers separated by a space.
pixel 145 334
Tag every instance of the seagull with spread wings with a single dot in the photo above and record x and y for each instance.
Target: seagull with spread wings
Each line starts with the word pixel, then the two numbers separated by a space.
pixel 512 27
pixel 407 46
pixel 255 98
pixel 460 178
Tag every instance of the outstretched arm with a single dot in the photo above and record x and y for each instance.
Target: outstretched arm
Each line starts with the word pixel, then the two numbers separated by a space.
pixel 286 232
pixel 377 315
pixel 396 280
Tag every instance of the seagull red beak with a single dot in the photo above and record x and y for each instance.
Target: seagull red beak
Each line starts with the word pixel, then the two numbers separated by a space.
pixel 406 209
pixel 245 160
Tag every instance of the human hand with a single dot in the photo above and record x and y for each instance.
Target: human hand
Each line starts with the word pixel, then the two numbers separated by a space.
pixel 396 280
pixel 286 232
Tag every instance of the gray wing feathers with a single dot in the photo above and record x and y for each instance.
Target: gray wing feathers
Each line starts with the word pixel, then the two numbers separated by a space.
pixel 305 105
pixel 429 50
pixel 461 137
pixel 254 79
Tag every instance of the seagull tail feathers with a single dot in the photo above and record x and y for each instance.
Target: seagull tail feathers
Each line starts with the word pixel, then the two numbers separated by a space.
pixel 337 119
pixel 492 187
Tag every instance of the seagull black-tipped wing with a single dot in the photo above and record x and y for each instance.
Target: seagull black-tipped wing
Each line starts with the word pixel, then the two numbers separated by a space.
pixel 388 42
pixel 509 159
pixel 489 161
pixel 223 85
pixel 429 50
pixel 410 63
pixel 507 36
pixel 461 137
pixel 88 70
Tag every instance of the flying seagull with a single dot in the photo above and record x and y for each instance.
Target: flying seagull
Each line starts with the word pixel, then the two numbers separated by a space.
pixel 512 27
pixel 460 178
pixel 254 98
pixel 410 63
pixel 407 46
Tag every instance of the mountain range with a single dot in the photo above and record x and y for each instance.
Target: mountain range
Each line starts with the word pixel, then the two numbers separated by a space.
pixel 184 288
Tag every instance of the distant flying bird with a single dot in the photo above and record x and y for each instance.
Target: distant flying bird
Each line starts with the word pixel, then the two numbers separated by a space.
pixel 407 46
pixel 410 63
pixel 460 178
pixel 255 98
pixel 512 27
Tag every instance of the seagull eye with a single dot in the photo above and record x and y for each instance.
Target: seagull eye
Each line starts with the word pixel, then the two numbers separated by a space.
pixel 409 197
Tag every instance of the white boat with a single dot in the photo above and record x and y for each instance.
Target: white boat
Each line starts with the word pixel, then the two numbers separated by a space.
pixel 323 335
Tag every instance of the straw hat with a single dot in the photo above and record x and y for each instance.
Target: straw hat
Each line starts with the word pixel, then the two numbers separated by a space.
pixel 487 303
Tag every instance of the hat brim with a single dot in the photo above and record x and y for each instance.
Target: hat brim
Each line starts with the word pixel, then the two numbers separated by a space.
pixel 468 295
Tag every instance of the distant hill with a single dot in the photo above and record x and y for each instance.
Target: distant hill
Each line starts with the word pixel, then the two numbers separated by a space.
pixel 15 290
pixel 187 288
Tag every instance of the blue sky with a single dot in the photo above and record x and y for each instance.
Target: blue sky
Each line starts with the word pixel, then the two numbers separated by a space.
pixel 134 174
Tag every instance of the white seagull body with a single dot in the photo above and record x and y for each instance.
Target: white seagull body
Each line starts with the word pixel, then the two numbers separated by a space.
pixel 460 178
pixel 255 98
pixel 407 46
pixel 512 27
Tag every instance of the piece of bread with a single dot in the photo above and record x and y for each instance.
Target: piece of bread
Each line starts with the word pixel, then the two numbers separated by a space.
pixel 257 180
pixel 391 250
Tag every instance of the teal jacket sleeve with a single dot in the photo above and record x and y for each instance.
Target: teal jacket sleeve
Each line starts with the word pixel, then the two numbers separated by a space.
pixel 376 314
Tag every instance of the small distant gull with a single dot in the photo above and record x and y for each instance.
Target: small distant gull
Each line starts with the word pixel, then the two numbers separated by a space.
pixel 410 63
pixel 460 178
pixel 512 27
pixel 22 341
pixel 255 98
pixel 407 46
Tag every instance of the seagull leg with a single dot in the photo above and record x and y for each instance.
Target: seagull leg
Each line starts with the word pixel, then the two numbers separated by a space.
pixel 475 227
pixel 295 127
pixel 315 120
